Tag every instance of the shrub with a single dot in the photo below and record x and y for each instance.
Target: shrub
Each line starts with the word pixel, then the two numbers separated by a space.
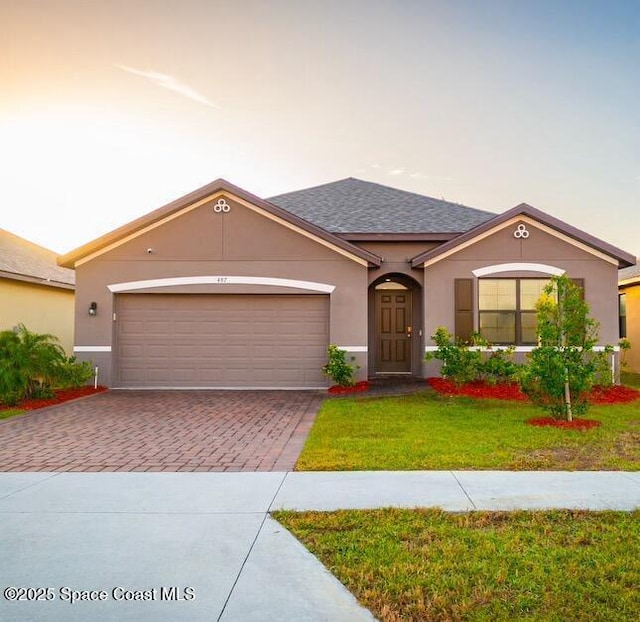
pixel 32 365
pixel 464 362
pixel 625 346
pixel 459 363
pixel 72 374
pixel 498 365
pixel 337 368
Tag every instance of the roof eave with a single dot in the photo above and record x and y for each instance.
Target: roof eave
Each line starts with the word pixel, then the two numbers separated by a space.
pixel 396 237
pixel 25 278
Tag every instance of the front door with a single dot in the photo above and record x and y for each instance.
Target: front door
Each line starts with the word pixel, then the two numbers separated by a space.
pixel 393 329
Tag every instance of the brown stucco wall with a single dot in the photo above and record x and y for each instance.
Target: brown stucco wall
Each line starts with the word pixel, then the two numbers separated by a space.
pixel 600 276
pixel 204 243
pixel 396 257
pixel 40 308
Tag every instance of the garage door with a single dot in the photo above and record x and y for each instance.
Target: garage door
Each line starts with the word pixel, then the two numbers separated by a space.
pixel 185 340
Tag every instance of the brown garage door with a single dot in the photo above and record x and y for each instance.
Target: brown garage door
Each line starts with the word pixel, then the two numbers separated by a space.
pixel 188 340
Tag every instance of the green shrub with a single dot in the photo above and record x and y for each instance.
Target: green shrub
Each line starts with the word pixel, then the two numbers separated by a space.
pixel 459 362
pixel 337 368
pixel 498 366
pixel 625 346
pixel 72 374
pixel 32 365
pixel 465 362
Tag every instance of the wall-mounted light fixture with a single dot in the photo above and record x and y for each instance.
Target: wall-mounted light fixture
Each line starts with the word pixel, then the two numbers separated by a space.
pixel 93 308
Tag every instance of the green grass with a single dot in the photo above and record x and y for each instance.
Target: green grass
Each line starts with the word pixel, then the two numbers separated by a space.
pixel 10 412
pixel 490 566
pixel 427 431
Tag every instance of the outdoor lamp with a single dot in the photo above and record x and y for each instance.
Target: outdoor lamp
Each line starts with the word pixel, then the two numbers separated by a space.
pixel 93 308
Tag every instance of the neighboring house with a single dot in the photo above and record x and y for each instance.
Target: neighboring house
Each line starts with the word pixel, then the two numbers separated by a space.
pixel 223 289
pixel 629 312
pixel 34 290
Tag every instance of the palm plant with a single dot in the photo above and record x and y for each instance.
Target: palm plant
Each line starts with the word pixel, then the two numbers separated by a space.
pixel 29 363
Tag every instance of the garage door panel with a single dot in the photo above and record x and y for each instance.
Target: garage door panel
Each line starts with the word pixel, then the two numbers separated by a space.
pixel 221 341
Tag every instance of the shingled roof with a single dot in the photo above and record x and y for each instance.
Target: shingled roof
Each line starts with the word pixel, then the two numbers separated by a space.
pixel 630 274
pixel 355 206
pixel 22 260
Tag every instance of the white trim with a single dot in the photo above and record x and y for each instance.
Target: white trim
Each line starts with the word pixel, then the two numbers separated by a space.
pixel 517 348
pixel 631 281
pixel 518 267
pixel 131 286
pixel 508 223
pixel 212 197
pixel 225 388
pixel 92 348
pixel 354 348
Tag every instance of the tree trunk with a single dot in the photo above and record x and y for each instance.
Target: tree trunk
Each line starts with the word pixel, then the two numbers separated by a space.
pixel 567 395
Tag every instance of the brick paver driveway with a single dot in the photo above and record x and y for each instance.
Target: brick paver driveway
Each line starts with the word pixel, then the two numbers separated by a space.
pixel 163 431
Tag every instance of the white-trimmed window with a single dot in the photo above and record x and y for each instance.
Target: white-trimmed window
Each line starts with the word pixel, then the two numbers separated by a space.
pixel 507 309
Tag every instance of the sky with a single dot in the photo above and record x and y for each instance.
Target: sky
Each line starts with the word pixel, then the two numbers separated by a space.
pixel 110 109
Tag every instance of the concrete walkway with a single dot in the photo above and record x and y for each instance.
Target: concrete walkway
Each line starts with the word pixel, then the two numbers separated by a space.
pixel 201 546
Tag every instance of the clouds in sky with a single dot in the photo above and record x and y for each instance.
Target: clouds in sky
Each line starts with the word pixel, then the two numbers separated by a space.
pixel 401 170
pixel 170 83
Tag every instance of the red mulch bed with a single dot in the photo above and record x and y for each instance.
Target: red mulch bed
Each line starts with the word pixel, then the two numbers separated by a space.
pixel 358 387
pixel 576 424
pixel 616 394
pixel 61 395
pixel 504 391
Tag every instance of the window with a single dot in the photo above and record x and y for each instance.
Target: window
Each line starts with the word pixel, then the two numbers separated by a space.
pixel 622 315
pixel 507 309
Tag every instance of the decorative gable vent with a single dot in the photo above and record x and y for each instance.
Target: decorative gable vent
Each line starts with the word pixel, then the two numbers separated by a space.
pixel 521 232
pixel 221 206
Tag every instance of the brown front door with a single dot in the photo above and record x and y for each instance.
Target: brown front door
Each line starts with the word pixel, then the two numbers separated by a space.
pixel 393 330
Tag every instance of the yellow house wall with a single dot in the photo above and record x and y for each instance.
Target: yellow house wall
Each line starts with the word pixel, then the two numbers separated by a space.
pixel 41 309
pixel 633 327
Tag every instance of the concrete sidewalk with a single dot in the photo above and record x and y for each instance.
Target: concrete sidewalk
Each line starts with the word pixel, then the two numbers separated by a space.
pixel 135 542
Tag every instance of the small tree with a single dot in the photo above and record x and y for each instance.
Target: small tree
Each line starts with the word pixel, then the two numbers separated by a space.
pixel 563 367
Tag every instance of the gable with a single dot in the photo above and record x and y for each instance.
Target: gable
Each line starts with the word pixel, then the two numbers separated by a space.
pixel 222 228
pixel 216 198
pixel 559 240
pixel 501 244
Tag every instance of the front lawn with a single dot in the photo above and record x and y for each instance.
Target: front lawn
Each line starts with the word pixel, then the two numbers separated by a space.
pixel 10 412
pixel 418 565
pixel 428 431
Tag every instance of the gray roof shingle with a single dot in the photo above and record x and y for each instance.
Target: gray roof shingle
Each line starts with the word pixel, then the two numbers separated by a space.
pixel 355 206
pixel 24 260
pixel 632 272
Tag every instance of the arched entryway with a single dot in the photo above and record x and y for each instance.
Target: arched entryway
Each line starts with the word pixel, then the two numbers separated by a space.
pixel 395 326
